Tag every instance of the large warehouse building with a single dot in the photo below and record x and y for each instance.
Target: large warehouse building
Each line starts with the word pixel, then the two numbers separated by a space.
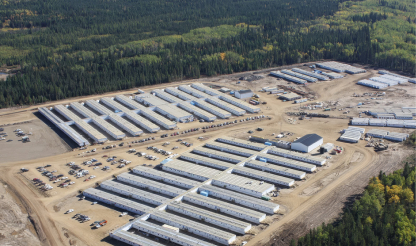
pixel 307 143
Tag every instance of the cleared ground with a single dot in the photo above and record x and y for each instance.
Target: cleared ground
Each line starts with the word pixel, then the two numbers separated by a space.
pixel 318 199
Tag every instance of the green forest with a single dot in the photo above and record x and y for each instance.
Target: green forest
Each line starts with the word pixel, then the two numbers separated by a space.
pixel 384 215
pixel 67 48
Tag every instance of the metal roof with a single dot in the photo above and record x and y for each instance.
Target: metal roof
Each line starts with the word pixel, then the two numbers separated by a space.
pixel 150 183
pixel 203 213
pixel 276 167
pixel 287 160
pixel 226 205
pixel 157 230
pixel 135 238
pixel 260 175
pixel 175 111
pixel 211 152
pixel 308 139
pixel 237 195
pixel 202 160
pixel 115 199
pixel 116 186
pixel 244 91
pixel 243 182
pixel 241 143
pixel 165 176
pixel 187 223
pixel 231 149
pixel 191 168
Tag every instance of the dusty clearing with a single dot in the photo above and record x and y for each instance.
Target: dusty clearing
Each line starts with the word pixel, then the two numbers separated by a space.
pixel 319 198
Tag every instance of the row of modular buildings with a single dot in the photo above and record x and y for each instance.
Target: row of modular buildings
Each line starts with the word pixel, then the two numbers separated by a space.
pixel 393 136
pixel 384 121
pixel 213 193
pixel 149 111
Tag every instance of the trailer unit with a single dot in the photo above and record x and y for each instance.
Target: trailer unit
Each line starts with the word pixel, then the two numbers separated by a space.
pixel 243 185
pixel 165 177
pixel 226 106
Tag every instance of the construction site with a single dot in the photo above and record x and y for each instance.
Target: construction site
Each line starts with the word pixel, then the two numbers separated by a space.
pixel 186 163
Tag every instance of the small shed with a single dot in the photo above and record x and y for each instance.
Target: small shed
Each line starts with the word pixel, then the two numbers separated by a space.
pixel 307 143
pixel 243 94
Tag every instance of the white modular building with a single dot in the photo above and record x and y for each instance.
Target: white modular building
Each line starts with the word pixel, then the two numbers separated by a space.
pixel 397 75
pixel 288 77
pixel 133 239
pixel 296 156
pixel 260 175
pixel 168 234
pixel 359 121
pixel 395 123
pixel 383 80
pixel 166 96
pixel 385 116
pixel 174 113
pixel 212 109
pixel 299 75
pixel 394 78
pixel 192 91
pixel 150 100
pixel 98 107
pixel 117 201
pixel 191 170
pixel 272 168
pixel 243 185
pixel 373 84
pixel 377 122
pixel 239 103
pixel 226 106
pixel 231 149
pixel 286 162
pixel 219 155
pixel 207 216
pixel 117 107
pixel 310 74
pixel 226 208
pixel 340 67
pixel 333 75
pixel 143 122
pixel 71 133
pixel 403 116
pixel 101 123
pixel 244 94
pixel 182 95
pixel 149 184
pixel 197 111
pixel 134 193
pixel 165 177
pixel 376 133
pixel 93 133
pixel 205 89
pixel 237 198
pixel 206 161
pixel 129 102
pixel 396 136
pixel 241 143
pixel 211 233
pixel 410 123
pixel 307 143
pixel 158 119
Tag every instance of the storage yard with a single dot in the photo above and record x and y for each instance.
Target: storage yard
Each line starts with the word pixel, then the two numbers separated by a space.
pixel 225 188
